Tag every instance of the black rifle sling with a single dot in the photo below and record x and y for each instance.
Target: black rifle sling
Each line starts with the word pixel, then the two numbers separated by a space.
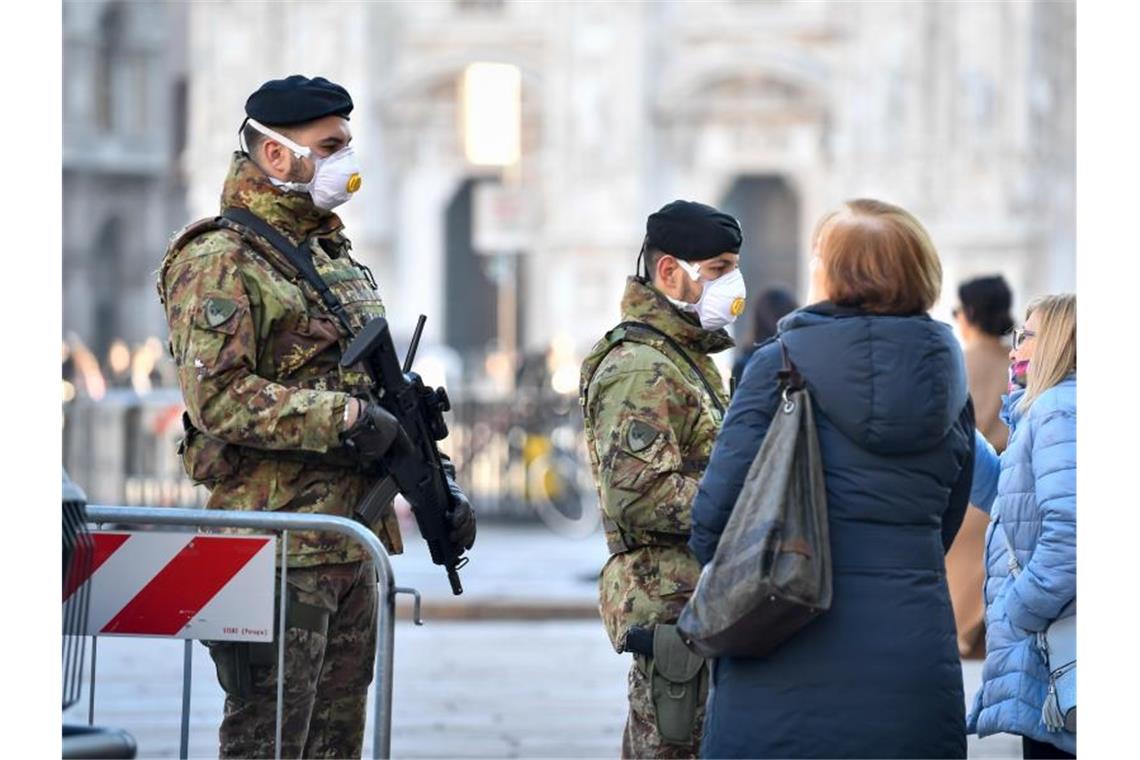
pixel 688 359
pixel 299 257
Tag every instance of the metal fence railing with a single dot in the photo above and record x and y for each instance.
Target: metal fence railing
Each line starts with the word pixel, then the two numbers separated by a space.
pixel 520 458
pixel 281 523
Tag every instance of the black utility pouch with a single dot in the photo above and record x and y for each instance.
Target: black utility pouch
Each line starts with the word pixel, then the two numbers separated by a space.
pixel 679 680
pixel 231 660
pixel 237 661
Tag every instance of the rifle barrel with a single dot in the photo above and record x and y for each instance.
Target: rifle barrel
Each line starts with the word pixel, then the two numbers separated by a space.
pixel 415 344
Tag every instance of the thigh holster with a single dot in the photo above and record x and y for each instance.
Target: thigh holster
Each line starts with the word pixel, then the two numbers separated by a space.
pixel 236 661
pixel 679 680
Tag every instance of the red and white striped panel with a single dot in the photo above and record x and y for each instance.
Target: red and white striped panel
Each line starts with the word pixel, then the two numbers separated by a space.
pixel 181 585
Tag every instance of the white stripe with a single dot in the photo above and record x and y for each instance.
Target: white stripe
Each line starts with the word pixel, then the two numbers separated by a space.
pixel 245 603
pixel 127 571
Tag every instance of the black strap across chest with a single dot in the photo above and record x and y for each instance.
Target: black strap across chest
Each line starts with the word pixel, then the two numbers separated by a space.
pixel 683 354
pixel 298 255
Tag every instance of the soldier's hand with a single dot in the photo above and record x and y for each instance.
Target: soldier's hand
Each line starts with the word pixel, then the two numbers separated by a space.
pixel 461 516
pixel 373 432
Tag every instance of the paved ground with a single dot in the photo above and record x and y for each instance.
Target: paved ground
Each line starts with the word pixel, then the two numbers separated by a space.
pixel 510 563
pixel 463 688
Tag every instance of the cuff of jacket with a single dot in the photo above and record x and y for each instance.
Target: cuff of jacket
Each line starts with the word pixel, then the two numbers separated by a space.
pixel 702 549
pixel 1020 615
pixel 324 421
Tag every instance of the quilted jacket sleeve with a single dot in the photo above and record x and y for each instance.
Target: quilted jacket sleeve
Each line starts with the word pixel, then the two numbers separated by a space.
pixel 745 425
pixel 987 467
pixel 1048 581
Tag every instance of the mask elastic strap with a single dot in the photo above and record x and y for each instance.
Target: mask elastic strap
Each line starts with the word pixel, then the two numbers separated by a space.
pixel 694 273
pixel 298 151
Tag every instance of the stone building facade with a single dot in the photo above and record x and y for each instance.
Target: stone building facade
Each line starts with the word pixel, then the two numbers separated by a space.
pixel 124 85
pixel 961 112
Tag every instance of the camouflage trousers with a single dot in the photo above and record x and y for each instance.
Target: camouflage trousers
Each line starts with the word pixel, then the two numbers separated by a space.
pixel 641 738
pixel 327 673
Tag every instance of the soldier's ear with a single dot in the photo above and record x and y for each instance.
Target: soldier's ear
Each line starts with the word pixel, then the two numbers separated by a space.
pixel 275 156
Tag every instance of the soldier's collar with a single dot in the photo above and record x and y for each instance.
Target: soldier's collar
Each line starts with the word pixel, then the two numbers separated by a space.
pixel 644 303
pixel 294 214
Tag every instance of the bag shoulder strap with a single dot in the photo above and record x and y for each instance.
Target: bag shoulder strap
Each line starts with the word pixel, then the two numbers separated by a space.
pixel 789 375
pixel 676 347
pixel 1011 556
pixel 298 256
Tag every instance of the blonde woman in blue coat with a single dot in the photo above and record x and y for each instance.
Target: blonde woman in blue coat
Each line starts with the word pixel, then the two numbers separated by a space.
pixel 1030 492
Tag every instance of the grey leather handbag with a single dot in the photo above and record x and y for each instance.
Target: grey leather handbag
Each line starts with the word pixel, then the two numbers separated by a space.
pixel 771 573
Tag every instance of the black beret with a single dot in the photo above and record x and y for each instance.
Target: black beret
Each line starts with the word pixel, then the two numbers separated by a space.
pixel 297 99
pixel 692 231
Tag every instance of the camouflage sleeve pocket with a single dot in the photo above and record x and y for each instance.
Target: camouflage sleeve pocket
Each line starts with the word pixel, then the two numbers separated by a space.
pixel 644 451
pixel 219 313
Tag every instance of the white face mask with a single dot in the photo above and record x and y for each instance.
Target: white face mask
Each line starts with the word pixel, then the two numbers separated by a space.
pixel 722 299
pixel 335 177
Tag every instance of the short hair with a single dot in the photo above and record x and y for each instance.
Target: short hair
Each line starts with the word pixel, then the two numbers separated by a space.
pixel 651 256
pixel 986 303
pixel 878 258
pixel 253 138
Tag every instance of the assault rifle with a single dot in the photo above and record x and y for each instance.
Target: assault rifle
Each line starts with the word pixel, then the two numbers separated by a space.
pixel 413 464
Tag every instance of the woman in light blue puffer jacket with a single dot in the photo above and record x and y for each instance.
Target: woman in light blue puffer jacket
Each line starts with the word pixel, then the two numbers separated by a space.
pixel 1030 493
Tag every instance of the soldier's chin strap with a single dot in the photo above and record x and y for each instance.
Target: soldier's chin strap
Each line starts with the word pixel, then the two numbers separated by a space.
pixel 298 256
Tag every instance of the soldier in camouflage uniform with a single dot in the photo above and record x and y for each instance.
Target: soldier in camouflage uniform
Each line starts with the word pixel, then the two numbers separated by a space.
pixel 274 423
pixel 653 403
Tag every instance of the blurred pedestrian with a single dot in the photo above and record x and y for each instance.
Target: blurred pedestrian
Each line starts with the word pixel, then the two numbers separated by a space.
pixel 273 422
pixel 770 307
pixel 983 320
pixel 653 402
pixel 877 675
pixel 1033 506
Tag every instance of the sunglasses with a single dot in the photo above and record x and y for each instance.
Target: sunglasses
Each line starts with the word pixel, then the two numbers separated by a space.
pixel 1022 335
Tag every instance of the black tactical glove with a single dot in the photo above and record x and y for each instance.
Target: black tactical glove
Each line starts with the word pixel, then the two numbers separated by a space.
pixel 373 433
pixel 460 515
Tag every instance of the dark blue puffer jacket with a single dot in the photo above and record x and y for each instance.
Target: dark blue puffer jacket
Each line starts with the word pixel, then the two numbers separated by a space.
pixel 878 675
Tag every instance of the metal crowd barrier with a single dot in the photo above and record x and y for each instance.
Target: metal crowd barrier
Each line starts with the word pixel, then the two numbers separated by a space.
pixel 282 523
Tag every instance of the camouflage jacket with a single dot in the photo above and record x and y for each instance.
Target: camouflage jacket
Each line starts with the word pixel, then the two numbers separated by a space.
pixel 258 359
pixel 650 426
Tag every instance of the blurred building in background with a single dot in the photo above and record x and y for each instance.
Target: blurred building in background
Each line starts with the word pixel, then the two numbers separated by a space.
pixel 124 126
pixel 512 150
pixel 961 112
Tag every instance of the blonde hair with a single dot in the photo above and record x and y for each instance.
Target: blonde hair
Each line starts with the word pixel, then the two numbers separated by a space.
pixel 1055 356
pixel 878 257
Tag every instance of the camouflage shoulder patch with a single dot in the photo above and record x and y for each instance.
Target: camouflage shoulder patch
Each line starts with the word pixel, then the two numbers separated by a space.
pixel 218 310
pixel 640 435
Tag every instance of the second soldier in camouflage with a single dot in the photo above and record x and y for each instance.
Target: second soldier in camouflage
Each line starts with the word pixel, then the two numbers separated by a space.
pixel 653 402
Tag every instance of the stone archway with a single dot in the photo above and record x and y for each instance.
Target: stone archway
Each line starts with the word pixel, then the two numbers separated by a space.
pixel 432 179
pixel 750 129
pixel 767 207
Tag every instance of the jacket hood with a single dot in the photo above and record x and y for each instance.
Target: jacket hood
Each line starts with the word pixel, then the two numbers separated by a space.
pixel 893 384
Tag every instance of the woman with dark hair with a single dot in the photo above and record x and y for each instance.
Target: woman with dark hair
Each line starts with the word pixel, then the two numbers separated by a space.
pixel 771 307
pixel 983 320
